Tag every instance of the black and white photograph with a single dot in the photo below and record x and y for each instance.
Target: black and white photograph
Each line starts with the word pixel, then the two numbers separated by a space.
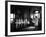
pixel 25 18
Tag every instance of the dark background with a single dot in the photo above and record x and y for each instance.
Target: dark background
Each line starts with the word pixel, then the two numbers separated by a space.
pixel 20 10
